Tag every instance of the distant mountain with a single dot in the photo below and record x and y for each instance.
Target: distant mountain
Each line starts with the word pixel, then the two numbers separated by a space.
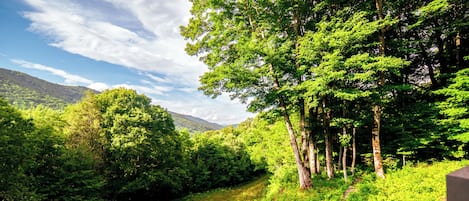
pixel 193 124
pixel 25 91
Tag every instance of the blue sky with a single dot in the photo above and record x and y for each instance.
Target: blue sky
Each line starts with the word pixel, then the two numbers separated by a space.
pixel 104 44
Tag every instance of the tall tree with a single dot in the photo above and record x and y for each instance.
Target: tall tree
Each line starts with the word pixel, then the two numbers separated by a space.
pixel 249 48
pixel 377 109
pixel 342 66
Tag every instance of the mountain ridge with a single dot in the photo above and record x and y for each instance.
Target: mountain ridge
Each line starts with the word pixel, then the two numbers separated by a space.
pixel 26 91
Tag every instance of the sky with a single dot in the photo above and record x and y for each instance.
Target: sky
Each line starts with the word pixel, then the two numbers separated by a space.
pixel 104 44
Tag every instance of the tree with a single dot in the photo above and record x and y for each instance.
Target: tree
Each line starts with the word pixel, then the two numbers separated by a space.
pixel 343 68
pixel 377 108
pixel 16 157
pixel 248 46
pixel 83 127
pixel 141 148
pixel 61 172
pixel 454 107
pixel 218 159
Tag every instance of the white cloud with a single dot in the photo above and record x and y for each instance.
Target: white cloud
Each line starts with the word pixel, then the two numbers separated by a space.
pixel 158 79
pixel 141 35
pixel 98 86
pixel 155 90
pixel 69 78
pixel 221 110
pixel 75 28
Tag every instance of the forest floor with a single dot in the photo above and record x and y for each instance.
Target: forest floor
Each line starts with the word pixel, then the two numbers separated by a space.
pixel 352 188
pixel 419 181
pixel 253 190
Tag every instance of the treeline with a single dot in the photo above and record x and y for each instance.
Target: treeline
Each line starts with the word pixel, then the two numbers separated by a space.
pixel 111 146
pixel 387 78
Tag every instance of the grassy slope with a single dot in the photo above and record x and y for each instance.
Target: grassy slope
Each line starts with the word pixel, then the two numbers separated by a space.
pixel 417 182
pixel 250 191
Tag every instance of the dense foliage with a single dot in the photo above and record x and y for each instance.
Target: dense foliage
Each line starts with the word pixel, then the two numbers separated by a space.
pixel 111 146
pixel 349 87
pixel 422 182
pixel 384 80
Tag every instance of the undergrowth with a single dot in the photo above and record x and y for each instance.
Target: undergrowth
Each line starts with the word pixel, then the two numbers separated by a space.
pixel 416 182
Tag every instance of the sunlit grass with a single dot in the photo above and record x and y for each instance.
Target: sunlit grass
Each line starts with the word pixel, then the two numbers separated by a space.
pixel 254 190
pixel 414 182
pixel 419 182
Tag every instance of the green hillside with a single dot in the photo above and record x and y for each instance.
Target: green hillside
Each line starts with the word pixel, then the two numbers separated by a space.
pixel 193 124
pixel 25 91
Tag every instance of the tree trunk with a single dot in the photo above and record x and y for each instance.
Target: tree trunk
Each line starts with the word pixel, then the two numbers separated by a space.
pixel 312 157
pixel 339 161
pixel 344 163
pixel 444 68
pixel 378 162
pixel 318 163
pixel 311 145
pixel 303 173
pixel 327 141
pixel 354 151
pixel 304 135
pixel 458 51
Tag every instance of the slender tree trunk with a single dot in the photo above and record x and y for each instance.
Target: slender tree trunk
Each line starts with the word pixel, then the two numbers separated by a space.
pixel 344 153
pixel 354 151
pixel 328 140
pixel 299 31
pixel 441 57
pixel 311 145
pixel 339 161
pixel 312 157
pixel 378 162
pixel 318 163
pixel 458 51
pixel 304 135
pixel 303 173
pixel 344 163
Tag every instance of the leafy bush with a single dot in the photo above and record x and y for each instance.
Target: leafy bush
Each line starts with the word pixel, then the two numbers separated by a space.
pixel 422 182
pixel 218 160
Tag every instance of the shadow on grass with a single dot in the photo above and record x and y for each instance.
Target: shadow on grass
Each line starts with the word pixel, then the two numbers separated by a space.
pixel 254 190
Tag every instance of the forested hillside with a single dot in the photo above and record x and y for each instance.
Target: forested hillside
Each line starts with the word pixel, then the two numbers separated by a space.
pixel 193 124
pixel 25 91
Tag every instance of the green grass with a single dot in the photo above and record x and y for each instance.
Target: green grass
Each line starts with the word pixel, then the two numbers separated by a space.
pixel 323 189
pixel 253 190
pixel 419 182
pixel 414 183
